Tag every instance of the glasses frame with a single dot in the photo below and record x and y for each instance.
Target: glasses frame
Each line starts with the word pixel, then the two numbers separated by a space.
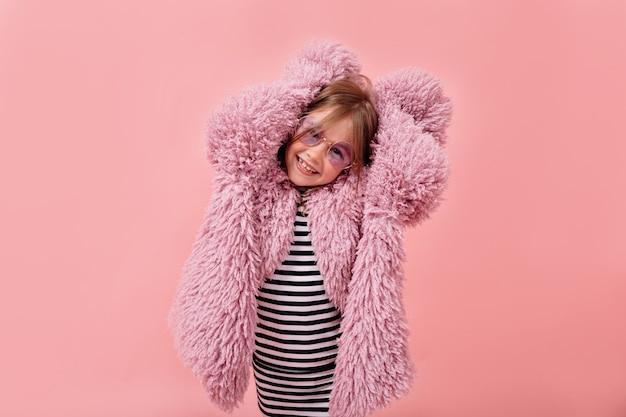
pixel 322 137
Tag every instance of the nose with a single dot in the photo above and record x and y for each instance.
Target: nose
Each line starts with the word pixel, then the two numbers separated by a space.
pixel 319 151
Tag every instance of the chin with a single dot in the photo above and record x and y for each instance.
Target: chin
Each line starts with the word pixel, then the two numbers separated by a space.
pixel 302 182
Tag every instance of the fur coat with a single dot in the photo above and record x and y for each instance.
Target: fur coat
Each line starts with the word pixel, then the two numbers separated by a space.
pixel 357 236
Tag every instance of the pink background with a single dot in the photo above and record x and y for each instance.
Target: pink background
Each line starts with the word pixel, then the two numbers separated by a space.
pixel 516 287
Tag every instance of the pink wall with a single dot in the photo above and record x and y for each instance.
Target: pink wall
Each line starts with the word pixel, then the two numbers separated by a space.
pixel 516 286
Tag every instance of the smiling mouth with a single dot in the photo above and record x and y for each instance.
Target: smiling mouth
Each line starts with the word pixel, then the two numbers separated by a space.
pixel 305 166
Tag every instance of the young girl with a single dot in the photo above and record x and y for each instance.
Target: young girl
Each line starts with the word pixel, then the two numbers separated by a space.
pixel 296 272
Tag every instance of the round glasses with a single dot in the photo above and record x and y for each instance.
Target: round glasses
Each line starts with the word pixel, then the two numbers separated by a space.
pixel 339 154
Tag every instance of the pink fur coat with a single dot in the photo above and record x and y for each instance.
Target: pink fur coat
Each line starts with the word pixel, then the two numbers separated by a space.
pixel 357 237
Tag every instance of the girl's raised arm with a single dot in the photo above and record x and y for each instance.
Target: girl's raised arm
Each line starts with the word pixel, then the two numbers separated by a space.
pixel 402 186
pixel 410 168
pixel 243 135
pixel 213 337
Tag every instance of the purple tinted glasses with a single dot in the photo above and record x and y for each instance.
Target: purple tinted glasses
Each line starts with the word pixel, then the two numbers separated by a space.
pixel 339 154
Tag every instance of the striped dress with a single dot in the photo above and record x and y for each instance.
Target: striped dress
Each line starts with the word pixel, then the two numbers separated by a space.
pixel 296 335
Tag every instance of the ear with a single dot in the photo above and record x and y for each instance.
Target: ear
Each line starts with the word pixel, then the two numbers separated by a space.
pixel 418 94
pixel 320 62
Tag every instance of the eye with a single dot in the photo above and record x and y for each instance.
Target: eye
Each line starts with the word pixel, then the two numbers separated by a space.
pixel 340 154
pixel 311 138
pixel 335 150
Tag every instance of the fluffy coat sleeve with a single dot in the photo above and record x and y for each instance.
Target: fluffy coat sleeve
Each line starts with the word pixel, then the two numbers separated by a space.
pixel 402 186
pixel 213 315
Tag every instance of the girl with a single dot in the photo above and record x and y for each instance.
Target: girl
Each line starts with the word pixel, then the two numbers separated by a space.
pixel 296 271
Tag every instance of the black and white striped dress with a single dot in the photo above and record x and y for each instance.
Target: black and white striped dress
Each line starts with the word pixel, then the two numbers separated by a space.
pixel 296 335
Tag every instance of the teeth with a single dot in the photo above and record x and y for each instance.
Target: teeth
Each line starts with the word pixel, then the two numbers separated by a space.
pixel 305 166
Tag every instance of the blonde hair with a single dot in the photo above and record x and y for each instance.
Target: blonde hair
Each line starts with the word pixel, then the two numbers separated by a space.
pixel 349 97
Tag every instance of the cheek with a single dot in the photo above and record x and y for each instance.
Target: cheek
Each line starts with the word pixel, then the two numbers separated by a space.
pixel 330 172
pixel 292 150
pixel 288 154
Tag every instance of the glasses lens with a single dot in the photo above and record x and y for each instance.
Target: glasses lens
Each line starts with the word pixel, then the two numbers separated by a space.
pixel 311 137
pixel 340 155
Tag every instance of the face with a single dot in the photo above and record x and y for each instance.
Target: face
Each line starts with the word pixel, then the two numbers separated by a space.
pixel 309 166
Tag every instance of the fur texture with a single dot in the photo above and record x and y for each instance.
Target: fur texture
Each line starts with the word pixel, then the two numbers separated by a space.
pixel 357 238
